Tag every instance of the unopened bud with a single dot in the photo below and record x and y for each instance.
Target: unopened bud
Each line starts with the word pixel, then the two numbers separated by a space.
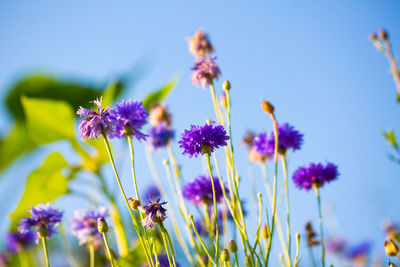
pixel 264 231
pixel 102 226
pixel 232 246
pixel 208 121
pixel 268 107
pixel 225 255
pixel 383 34
pixel 43 232
pixel 373 37
pixel 134 203
pixel 391 248
pixel 226 85
pixel 222 100
pixel 165 162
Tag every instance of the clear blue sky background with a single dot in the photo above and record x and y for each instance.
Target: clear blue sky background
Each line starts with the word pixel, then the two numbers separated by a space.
pixel 312 59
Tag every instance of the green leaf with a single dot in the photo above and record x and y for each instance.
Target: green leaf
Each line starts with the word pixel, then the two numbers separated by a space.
pixel 44 86
pixel 43 185
pixel 16 143
pixel 48 120
pixel 110 93
pixel 391 138
pixel 159 95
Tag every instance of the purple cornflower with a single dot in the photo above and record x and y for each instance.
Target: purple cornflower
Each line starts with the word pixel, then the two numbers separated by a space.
pixel 155 213
pixel 315 175
pixel 84 225
pixel 160 135
pixel 17 241
pixel 152 192
pixel 199 44
pixel 204 71
pixel 44 217
pixel 129 117
pixel 360 250
pixel 336 245
pixel 163 260
pixel 200 190
pixel 203 139
pixel 288 138
pixel 95 122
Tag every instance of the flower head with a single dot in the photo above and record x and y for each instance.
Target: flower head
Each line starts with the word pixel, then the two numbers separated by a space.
pixel 288 138
pixel 129 117
pixel 160 114
pixel 160 135
pixel 200 190
pixel 336 245
pixel 44 217
pixel 315 175
pixel 155 213
pixel 95 121
pixel 204 71
pixel 199 44
pixel 84 225
pixel 358 251
pixel 18 241
pixel 203 139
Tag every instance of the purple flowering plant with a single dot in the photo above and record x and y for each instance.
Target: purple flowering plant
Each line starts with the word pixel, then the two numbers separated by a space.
pixel 161 230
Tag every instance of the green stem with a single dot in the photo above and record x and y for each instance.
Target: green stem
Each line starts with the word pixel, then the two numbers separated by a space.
pixel 320 225
pixel 215 210
pixel 285 175
pixel 312 256
pixel 91 252
pixel 135 224
pixel 169 244
pixel 46 256
pixel 133 165
pixel 201 240
pixel 236 260
pixel 108 249
pixel 274 189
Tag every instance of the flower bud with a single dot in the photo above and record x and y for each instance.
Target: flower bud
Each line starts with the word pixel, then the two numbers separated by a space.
pixel 391 264
pixel 232 246
pixel 102 226
pixel 158 114
pixel 43 232
pixel 391 248
pixel 165 162
pixel 225 255
pixel 268 107
pixel 226 85
pixel 373 37
pixel 222 100
pixel 264 231
pixel 134 203
pixel 383 34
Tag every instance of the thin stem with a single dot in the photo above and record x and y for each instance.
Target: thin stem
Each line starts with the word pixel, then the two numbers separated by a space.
pixel 312 256
pixel 46 256
pixel 201 240
pixel 297 250
pixel 166 247
pixel 274 188
pixel 215 210
pixel 91 252
pixel 285 175
pixel 259 223
pixel 135 224
pixel 320 225
pixel 236 260
pixel 170 244
pixel 133 165
pixel 393 66
pixel 108 249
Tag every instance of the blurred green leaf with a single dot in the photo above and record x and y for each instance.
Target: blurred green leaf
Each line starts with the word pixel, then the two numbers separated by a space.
pixel 43 185
pixel 391 138
pixel 44 86
pixel 159 95
pixel 136 256
pixel 48 120
pixel 110 93
pixel 16 143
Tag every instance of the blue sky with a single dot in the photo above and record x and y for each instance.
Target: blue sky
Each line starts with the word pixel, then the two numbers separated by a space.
pixel 311 59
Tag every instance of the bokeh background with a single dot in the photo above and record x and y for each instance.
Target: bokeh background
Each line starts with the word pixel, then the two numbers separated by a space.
pixel 311 59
